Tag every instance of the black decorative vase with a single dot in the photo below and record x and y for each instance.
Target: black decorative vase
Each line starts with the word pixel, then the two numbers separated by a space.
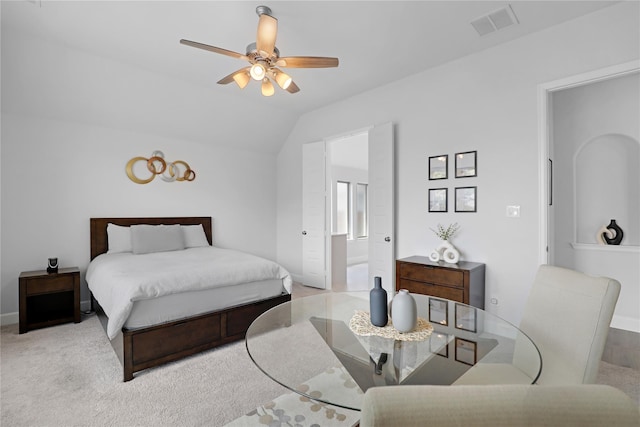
pixel 618 234
pixel 378 304
pixel 52 265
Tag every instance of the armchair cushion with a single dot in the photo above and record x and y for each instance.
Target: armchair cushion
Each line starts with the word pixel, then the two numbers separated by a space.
pixel 498 405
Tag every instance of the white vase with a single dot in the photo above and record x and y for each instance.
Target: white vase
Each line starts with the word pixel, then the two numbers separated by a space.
pixel 404 312
pixel 445 252
pixel 450 254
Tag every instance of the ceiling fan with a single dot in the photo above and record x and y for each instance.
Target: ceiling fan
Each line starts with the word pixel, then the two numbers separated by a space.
pixel 265 60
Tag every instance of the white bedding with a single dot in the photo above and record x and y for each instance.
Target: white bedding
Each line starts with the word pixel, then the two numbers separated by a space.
pixel 117 280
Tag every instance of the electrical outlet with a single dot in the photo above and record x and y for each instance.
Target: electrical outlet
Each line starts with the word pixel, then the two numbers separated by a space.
pixel 494 301
pixel 513 211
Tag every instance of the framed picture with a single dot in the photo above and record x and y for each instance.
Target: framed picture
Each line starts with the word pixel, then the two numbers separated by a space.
pixel 438 311
pixel 466 318
pixel 438 167
pixel 466 351
pixel 439 344
pixel 466 164
pixel 466 199
pixel 438 199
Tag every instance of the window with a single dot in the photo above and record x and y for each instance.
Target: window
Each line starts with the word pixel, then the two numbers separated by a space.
pixel 342 209
pixel 361 220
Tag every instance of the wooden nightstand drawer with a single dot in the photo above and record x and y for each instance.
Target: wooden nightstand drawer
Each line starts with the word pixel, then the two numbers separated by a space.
pixel 433 290
pixel 45 285
pixel 429 274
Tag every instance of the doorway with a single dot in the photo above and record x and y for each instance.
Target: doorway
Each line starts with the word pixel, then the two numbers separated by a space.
pixel 348 165
pixel 546 165
pixel 589 175
pixel 373 226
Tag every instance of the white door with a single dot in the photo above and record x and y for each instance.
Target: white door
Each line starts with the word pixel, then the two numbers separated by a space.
pixel 381 207
pixel 313 215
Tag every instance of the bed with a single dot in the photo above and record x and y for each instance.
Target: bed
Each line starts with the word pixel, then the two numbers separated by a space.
pixel 167 325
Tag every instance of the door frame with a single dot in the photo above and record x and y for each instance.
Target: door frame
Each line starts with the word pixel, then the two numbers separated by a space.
pixel 545 124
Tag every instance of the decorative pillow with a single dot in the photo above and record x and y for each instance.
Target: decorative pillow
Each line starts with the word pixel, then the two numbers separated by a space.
pixel 194 236
pixel 119 238
pixel 156 238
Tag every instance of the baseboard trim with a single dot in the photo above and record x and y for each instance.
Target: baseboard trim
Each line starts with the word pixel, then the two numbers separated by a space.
pixel 626 323
pixel 9 319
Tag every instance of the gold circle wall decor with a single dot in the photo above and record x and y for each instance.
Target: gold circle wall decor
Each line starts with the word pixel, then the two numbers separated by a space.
pixel 151 165
pixel 156 165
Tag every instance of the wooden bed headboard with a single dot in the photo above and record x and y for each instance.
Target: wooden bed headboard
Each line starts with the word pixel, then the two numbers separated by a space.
pixel 98 232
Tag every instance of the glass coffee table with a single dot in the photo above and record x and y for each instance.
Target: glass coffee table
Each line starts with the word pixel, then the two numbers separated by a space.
pixel 307 346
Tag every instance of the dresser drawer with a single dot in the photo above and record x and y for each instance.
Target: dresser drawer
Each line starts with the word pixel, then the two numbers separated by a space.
pixel 433 290
pixel 429 274
pixel 45 285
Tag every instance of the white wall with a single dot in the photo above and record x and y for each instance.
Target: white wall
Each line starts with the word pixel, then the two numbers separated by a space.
pixel 58 172
pixel 485 102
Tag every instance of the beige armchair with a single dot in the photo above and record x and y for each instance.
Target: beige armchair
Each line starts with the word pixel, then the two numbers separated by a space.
pixel 567 315
pixel 498 406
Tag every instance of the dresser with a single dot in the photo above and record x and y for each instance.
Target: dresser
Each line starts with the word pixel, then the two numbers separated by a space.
pixel 462 282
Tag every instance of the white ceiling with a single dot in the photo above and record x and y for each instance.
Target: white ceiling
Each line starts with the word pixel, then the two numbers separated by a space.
pixel 377 42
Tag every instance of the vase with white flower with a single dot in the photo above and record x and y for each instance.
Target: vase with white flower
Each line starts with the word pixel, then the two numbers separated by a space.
pixel 445 251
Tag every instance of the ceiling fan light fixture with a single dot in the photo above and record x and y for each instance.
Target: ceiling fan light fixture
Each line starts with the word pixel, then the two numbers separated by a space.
pixel 258 71
pixel 264 58
pixel 283 80
pixel 267 87
pixel 242 79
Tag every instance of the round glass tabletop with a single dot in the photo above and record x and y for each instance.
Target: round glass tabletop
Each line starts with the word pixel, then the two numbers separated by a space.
pixel 307 346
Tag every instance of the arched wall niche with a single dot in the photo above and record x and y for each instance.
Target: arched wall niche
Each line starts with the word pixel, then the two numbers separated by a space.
pixel 607 186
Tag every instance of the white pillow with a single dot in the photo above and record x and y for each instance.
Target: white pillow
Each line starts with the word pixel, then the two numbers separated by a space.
pixel 156 238
pixel 119 238
pixel 194 236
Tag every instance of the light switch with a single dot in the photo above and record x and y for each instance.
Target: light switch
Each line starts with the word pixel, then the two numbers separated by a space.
pixel 513 211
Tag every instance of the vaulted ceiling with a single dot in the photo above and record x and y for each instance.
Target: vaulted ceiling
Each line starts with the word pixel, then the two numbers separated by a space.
pixel 377 42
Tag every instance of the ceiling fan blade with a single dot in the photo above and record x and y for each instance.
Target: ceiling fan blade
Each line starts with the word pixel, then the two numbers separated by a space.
pixel 293 88
pixel 307 62
pixel 214 49
pixel 267 32
pixel 230 78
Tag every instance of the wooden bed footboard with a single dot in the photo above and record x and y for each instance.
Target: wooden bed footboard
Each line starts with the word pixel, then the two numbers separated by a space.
pixel 143 348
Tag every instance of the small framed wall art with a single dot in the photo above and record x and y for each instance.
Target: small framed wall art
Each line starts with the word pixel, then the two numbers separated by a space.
pixel 466 199
pixel 438 199
pixel 438 311
pixel 438 167
pixel 466 318
pixel 466 164
pixel 466 351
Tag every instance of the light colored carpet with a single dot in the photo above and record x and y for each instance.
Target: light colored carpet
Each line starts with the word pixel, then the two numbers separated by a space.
pixel 68 375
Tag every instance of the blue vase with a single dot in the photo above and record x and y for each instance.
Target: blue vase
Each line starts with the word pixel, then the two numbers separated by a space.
pixel 404 313
pixel 378 304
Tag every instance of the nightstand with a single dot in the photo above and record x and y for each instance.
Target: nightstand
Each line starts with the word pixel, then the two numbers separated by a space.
pixel 48 299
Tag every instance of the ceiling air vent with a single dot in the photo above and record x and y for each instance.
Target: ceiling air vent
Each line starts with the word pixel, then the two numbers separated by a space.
pixel 494 21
